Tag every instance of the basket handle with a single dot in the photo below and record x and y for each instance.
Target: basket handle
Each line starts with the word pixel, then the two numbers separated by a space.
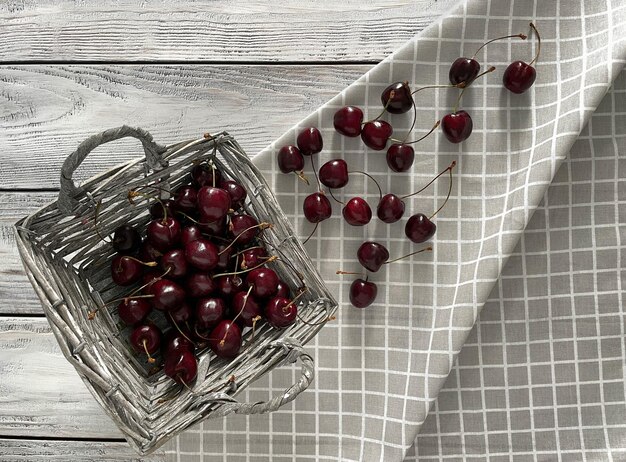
pixel 294 352
pixel 67 195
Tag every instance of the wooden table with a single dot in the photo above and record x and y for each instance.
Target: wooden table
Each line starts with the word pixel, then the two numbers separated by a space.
pixel 177 68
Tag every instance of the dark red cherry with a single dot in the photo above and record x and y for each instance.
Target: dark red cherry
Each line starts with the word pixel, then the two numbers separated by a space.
pixel 283 289
pixel 281 312
pixel 357 212
pixel 264 282
pixel 181 365
pixel 463 70
pixel 126 239
pixel 317 207
pixel 148 278
pixel 243 228
pixel 457 126
pixel 224 252
pixel 419 228
pixel 390 208
pixel 213 203
pixel 334 173
pixel 186 198
pixel 168 295
pixel 225 339
pixel 174 263
pixel 202 254
pixel 190 233
pixel 290 159
pixel 348 121
pixel 156 209
pixel 145 338
pixel 181 314
pixel 253 257
pixel 375 134
pixel 202 175
pixel 125 270
pixel 200 285
pixel 216 228
pixel 372 255
pixel 245 308
pixel 209 312
pixel 310 141
pixel 229 285
pixel 133 310
pixel 363 293
pixel 400 157
pixel 519 77
pixel 236 191
pixel 148 252
pixel 174 340
pixel 163 233
pixel 400 101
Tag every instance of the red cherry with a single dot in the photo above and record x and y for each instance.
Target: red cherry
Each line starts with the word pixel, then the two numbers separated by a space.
pixel 357 212
pixel 125 270
pixel 264 282
pixel 229 285
pixel 376 133
pixel 240 228
pixel 216 228
pixel 213 203
pixel 362 293
pixel 209 312
pixel 174 263
pixel 281 312
pixel 200 285
pixel 156 209
pixel 224 253
pixel 334 173
pixel 317 207
pixel 186 198
pixel 372 255
pixel 148 252
pixel 168 295
pixel 463 70
pixel 181 314
pixel 390 208
pixel 348 121
pixel 519 77
pixel 419 228
pixel 253 257
pixel 245 308
pixel 190 233
pixel 163 233
pixel 202 254
pixel 457 126
pixel 174 340
pixel 283 289
pixel 310 141
pixel 133 310
pixel 236 191
pixel 181 365
pixel 225 339
pixel 400 157
pixel 290 159
pixel 126 239
pixel 146 338
pixel 202 175
pixel 397 98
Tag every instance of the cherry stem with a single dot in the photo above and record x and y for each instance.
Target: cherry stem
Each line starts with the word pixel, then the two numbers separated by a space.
pixel 179 329
pixel 392 94
pixel 448 168
pixel 419 139
pixel 242 308
pixel 193 220
pixel 319 187
pixel 134 193
pixel 427 249
pixel 169 268
pixel 347 272
pixel 149 263
pixel 538 44
pixel 201 336
pixel 522 36
pixel 234 273
pixel 447 197
pixel 380 191
pixel 184 384
pixel 213 172
pixel 302 177
pixel 311 235
pixel 456 106
pixel 261 226
pixel 151 360
pixel 301 292
pixel 414 120
pixel 458 85
pixel 95 223
pixel 330 191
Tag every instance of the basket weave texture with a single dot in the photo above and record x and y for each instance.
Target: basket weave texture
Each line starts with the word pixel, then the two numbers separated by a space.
pixel 69 268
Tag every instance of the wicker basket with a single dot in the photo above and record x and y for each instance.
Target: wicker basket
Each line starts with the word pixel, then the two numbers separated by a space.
pixel 69 267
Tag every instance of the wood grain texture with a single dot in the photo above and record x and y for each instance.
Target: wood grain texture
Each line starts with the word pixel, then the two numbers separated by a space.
pixel 41 395
pixel 221 30
pixel 46 111
pixel 17 450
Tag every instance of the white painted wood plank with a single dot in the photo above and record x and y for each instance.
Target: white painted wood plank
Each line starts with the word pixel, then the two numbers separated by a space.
pixel 41 393
pixel 46 111
pixel 14 450
pixel 220 30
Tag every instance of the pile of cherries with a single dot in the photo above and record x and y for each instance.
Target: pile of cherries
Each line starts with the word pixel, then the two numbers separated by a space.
pixel 376 134
pixel 201 269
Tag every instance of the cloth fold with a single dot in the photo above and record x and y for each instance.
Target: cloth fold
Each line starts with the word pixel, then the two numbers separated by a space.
pixel 380 369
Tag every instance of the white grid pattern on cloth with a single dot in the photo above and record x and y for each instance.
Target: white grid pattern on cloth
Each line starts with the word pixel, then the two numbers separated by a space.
pixel 581 410
pixel 358 407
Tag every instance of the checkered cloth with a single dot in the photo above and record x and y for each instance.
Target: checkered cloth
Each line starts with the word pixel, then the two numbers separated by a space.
pixel 379 370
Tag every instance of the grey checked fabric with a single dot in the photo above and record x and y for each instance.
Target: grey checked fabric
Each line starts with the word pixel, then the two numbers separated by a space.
pixel 379 370
pixel 541 376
